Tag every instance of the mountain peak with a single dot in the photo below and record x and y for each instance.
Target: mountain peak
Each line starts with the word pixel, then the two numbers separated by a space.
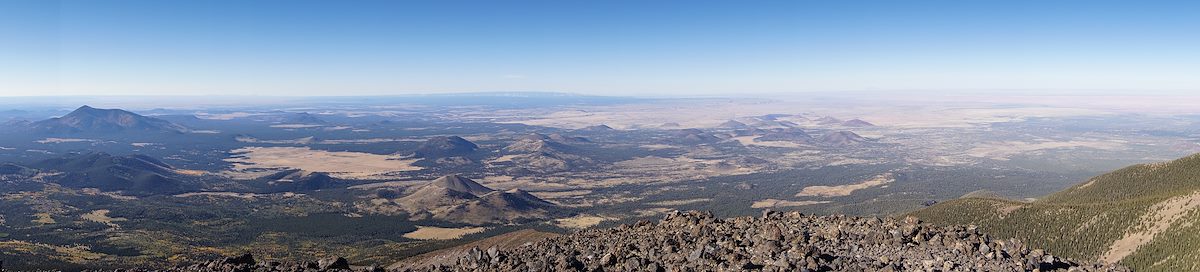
pixel 857 123
pixel 445 146
pixel 597 128
pixel 734 124
pixel 89 119
pixel 462 184
pixel 842 138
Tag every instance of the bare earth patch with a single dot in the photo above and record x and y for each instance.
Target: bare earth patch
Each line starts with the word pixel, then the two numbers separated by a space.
pixel 101 216
pixel 581 221
pixel 191 172
pixel 1003 150
pixel 439 233
pixel 651 212
pixel 63 140
pixel 238 195
pixel 749 141
pixel 845 190
pixel 776 203
pixel 113 195
pixel 43 218
pixel 339 164
pixel 680 202
pixel 1160 217
pixel 295 126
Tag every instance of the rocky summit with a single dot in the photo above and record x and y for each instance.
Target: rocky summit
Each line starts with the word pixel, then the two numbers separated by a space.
pixel 698 241
pixel 247 263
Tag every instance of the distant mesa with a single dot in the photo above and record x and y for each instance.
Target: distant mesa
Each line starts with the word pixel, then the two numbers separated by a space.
pixel 842 138
pixel 828 120
pixel 857 123
pixel 669 125
pixel 87 119
pixel 445 146
pixel 598 128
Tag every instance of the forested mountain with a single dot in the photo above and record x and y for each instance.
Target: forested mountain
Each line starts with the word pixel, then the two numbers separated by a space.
pixel 1143 216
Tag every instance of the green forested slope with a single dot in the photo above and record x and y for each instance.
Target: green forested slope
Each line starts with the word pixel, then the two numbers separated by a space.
pixel 1085 220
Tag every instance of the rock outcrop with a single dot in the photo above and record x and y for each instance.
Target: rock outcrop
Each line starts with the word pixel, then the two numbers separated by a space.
pixel 247 263
pixel 698 241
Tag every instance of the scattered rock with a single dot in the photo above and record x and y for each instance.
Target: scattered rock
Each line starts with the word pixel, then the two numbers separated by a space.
pixel 334 263
pixel 775 241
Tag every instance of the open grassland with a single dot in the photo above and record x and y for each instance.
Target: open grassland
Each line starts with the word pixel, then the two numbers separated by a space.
pixel 341 164
pixel 440 233
pixel 845 190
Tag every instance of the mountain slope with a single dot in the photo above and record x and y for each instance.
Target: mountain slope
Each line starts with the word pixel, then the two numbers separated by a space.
pixel 458 199
pixel 857 123
pixel 786 135
pixel 295 180
pixel 445 146
pixel 842 138
pixel 1144 216
pixel 447 256
pixel 457 183
pixel 92 120
pixel 733 124
pixel 546 154
pixel 106 172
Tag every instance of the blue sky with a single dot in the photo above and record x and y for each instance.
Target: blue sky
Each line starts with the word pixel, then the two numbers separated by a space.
pixel 610 47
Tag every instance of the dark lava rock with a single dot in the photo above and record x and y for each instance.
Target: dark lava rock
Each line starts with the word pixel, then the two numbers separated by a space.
pixel 334 263
pixel 775 241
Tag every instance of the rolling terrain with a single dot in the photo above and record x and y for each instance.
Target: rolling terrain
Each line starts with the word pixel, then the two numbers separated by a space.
pixel 378 183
